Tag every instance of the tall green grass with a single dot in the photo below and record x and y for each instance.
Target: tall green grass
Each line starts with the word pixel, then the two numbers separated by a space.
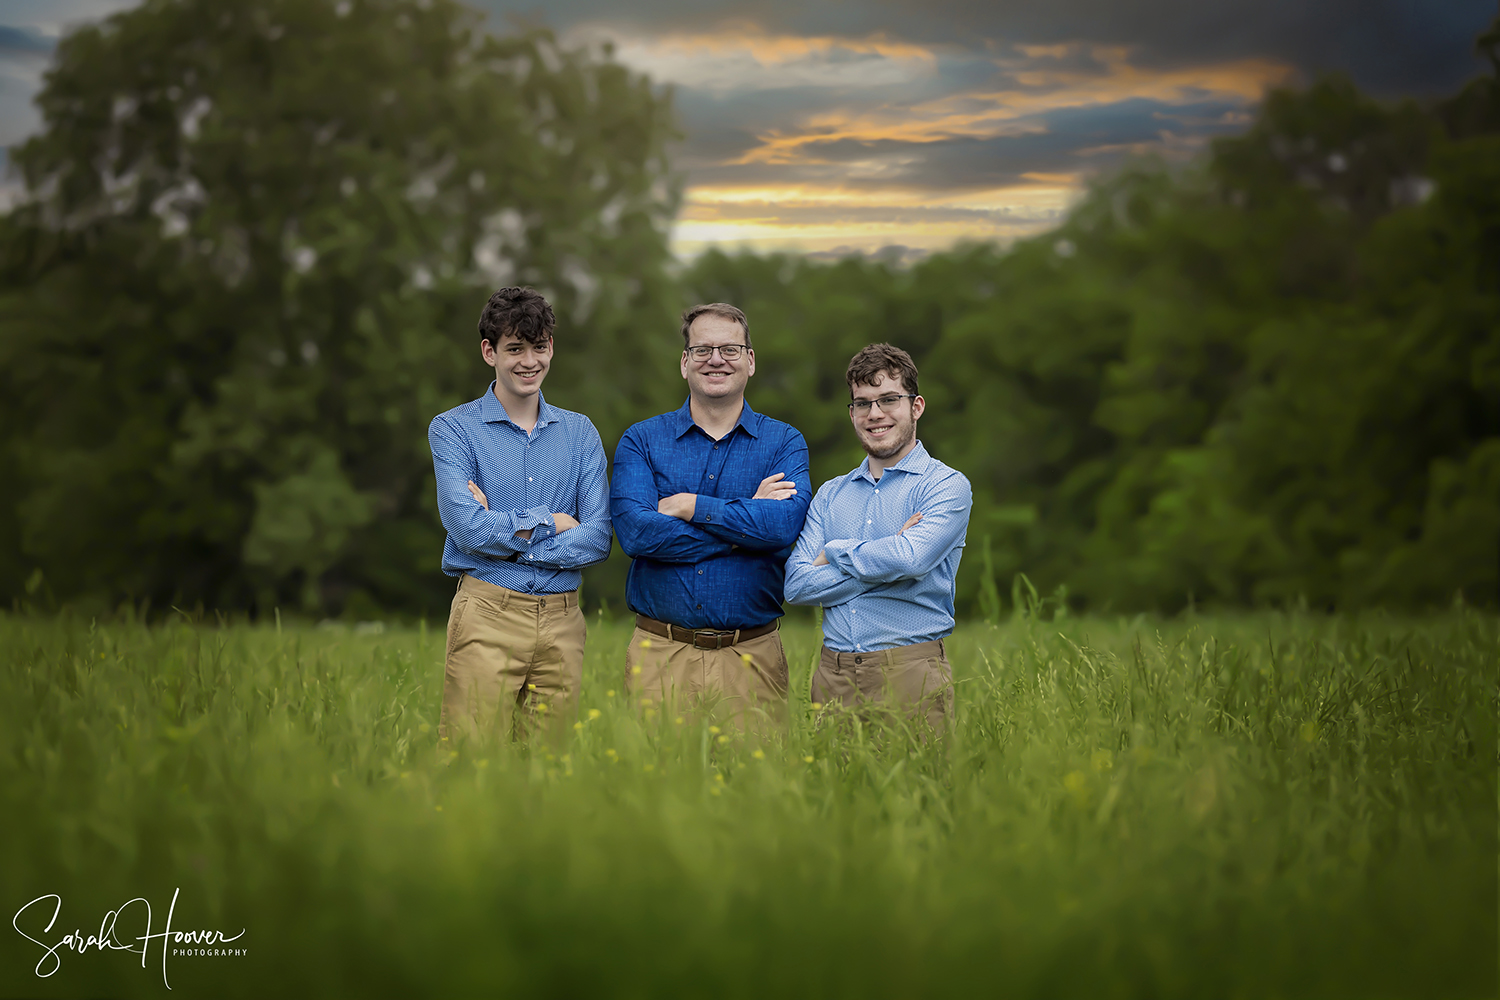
pixel 1254 806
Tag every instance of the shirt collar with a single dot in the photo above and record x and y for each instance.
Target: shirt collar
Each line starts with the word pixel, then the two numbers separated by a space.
pixel 493 412
pixel 682 420
pixel 917 461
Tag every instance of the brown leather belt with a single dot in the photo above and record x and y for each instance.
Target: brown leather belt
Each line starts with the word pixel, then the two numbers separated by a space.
pixel 703 638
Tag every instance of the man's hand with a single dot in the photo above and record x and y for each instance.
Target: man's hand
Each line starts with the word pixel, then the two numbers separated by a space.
pixel 772 488
pixel 563 521
pixel 681 505
pixel 822 559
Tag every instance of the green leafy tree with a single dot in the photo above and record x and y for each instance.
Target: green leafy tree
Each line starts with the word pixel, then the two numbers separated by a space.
pixel 257 239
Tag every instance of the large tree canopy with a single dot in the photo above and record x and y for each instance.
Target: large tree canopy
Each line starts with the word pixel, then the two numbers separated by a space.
pixel 248 275
pixel 259 233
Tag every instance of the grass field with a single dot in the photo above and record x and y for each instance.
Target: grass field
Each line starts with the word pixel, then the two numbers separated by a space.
pixel 1256 806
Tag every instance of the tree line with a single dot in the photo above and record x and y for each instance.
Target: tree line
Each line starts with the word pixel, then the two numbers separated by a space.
pixel 258 233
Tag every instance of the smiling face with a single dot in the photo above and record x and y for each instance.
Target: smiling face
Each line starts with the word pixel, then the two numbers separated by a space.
pixel 888 433
pixel 520 366
pixel 715 379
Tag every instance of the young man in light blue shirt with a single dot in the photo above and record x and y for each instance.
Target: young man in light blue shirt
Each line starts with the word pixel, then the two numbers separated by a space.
pixel 522 492
pixel 879 552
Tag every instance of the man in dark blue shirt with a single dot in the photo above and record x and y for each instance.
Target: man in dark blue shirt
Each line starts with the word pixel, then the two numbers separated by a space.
pixel 708 501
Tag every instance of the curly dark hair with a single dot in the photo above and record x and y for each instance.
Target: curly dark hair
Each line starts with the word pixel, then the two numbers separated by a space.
pixel 519 311
pixel 723 310
pixel 882 359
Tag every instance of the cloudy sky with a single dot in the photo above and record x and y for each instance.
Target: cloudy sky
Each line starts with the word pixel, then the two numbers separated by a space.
pixel 823 125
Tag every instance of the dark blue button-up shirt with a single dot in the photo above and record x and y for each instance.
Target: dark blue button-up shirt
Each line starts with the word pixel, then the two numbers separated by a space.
pixel 725 569
pixel 526 478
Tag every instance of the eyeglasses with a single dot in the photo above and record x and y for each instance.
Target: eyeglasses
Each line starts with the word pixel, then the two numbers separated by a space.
pixel 729 352
pixel 887 404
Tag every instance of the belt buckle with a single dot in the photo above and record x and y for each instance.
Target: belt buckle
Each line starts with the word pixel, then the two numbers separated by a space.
pixel 717 636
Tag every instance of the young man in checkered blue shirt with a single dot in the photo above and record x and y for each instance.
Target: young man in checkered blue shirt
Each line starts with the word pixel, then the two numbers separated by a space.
pixel 879 553
pixel 523 494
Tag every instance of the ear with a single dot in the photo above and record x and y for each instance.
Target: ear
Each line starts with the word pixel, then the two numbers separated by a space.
pixel 684 363
pixel 487 352
pixel 750 353
pixel 918 405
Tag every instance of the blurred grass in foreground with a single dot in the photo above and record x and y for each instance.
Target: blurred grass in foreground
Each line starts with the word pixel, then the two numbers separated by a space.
pixel 1239 806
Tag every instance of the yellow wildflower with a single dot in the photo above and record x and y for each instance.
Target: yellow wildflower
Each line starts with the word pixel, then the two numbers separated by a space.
pixel 594 713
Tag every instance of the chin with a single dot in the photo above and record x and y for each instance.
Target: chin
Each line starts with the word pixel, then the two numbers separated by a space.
pixel 885 447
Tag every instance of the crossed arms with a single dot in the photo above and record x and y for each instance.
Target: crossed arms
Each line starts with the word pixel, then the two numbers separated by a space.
pixel 688 527
pixel 829 570
pixel 537 536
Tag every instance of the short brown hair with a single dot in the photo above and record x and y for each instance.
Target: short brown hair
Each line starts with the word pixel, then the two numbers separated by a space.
pixel 520 311
pixel 882 359
pixel 721 309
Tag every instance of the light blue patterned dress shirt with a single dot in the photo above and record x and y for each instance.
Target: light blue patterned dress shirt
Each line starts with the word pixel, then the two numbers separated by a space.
pixel 559 467
pixel 881 590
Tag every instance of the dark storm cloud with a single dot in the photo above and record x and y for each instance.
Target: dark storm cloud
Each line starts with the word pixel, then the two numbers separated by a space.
pixel 1065 141
pixel 1390 47
pixel 14 40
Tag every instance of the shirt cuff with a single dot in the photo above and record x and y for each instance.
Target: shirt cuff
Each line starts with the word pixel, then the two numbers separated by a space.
pixel 837 553
pixel 708 510
pixel 539 520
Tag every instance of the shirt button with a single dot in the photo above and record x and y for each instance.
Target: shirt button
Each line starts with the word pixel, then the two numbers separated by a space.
pixel 708 517
pixel 869 522
pixel 716 447
pixel 700 572
pixel 710 475
pixel 700 607
pixel 528 479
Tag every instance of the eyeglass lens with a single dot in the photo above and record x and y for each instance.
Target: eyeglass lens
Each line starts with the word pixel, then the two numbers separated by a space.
pixel 729 352
pixel 886 404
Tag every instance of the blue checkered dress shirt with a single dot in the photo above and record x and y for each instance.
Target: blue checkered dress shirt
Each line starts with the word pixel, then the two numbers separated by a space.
pixel 724 570
pixel 879 589
pixel 559 467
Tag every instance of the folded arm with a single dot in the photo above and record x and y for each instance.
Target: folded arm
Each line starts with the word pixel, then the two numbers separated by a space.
pixel 809 581
pixel 588 542
pixel 915 551
pixel 767 525
pixel 644 532
pixel 475 530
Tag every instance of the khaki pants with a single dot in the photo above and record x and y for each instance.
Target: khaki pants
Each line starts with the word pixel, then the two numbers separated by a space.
pixel 916 680
pixel 743 685
pixel 510 651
